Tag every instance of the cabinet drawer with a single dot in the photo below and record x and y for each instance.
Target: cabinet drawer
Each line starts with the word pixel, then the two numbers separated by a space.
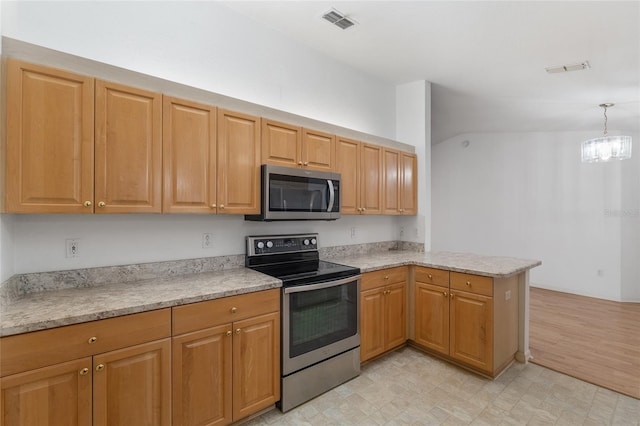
pixel 196 316
pixel 24 352
pixel 472 283
pixel 383 277
pixel 432 276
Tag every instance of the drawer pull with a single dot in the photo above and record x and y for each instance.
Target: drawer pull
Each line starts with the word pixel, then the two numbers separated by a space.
pixel 386 277
pixel 102 204
pixel 84 371
pixel 234 310
pixel 92 339
pixel 444 293
pixel 213 206
pixel 87 203
pixel 237 331
pixel 468 283
pixel 299 163
pixel 99 367
pixel 222 206
pixel 229 333
pixel 452 295
pixel 306 163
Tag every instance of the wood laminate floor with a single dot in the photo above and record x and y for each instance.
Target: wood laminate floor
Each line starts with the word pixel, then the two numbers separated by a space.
pixel 594 340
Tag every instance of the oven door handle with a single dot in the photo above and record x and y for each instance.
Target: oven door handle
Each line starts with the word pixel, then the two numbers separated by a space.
pixel 328 284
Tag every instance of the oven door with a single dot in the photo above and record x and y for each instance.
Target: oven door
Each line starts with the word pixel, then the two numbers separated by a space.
pixel 319 321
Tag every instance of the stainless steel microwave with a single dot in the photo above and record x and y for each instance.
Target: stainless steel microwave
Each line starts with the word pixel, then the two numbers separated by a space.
pixel 298 194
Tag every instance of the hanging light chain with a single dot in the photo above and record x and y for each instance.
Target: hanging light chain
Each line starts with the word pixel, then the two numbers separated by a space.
pixel 605 106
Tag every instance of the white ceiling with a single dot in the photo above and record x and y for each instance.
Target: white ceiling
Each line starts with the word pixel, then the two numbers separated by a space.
pixel 486 60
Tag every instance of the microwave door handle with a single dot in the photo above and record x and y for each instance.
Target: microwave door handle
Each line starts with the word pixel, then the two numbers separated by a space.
pixel 332 195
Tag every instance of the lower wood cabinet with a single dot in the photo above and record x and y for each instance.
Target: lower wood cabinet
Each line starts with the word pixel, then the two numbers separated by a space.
pixel 131 386
pixel 108 381
pixel 226 365
pixel 468 318
pixel 56 395
pixel 383 315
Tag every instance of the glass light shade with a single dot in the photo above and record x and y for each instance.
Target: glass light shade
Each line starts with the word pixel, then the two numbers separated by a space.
pixel 606 148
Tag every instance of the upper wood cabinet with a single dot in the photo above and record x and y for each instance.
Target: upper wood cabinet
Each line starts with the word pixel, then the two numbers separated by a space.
pixel 189 157
pixel 318 150
pixel 399 182
pixel 391 181
pixel 238 163
pixel 409 183
pixel 281 144
pixel 128 155
pixel 360 166
pixel 292 146
pixel 50 140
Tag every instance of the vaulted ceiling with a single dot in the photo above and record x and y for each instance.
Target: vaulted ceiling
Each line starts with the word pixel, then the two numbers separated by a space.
pixel 486 60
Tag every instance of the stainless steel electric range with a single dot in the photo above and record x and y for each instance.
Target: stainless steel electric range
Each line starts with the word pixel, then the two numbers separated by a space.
pixel 320 314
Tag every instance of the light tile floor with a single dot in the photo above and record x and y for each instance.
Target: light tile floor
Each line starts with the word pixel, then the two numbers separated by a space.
pixel 410 387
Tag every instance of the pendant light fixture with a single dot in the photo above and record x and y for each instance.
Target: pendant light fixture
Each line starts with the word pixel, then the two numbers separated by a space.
pixel 606 148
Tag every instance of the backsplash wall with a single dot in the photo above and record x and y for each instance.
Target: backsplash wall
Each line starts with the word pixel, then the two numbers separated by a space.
pixel 39 240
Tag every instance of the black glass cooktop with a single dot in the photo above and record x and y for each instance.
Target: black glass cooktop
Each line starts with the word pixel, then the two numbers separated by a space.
pixel 307 272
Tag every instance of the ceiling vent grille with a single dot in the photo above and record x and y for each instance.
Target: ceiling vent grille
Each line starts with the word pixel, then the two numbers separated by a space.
pixel 572 67
pixel 338 19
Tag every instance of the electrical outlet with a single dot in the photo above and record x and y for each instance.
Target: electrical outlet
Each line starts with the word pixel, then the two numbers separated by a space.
pixel 401 232
pixel 207 240
pixel 353 232
pixel 72 246
pixel 507 295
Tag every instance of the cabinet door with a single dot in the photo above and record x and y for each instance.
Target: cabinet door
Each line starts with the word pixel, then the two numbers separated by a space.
pixel 318 150
pixel 471 323
pixel 395 315
pixel 238 163
pixel 128 156
pixel 131 386
pixel 281 144
pixel 372 322
pixel 348 165
pixel 59 395
pixel 189 157
pixel 202 374
pixel 432 317
pixel 49 140
pixel 256 364
pixel 371 179
pixel 391 182
pixel 409 183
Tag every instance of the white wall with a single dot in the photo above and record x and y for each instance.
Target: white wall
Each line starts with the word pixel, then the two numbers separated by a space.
pixel 413 126
pixel 205 45
pixel 528 195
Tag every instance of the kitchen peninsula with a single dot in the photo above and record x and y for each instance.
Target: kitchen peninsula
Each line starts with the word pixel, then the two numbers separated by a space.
pixel 148 321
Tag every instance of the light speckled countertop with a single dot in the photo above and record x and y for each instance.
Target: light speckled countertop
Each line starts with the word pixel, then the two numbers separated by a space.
pixel 48 309
pixel 490 266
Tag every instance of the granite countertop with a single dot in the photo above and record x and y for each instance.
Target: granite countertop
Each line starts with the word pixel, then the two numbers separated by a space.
pixel 48 309
pixel 490 266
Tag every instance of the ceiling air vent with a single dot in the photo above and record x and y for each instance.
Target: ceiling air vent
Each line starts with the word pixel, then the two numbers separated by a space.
pixel 572 67
pixel 338 19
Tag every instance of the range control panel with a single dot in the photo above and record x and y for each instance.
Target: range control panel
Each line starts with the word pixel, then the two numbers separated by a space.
pixel 275 244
